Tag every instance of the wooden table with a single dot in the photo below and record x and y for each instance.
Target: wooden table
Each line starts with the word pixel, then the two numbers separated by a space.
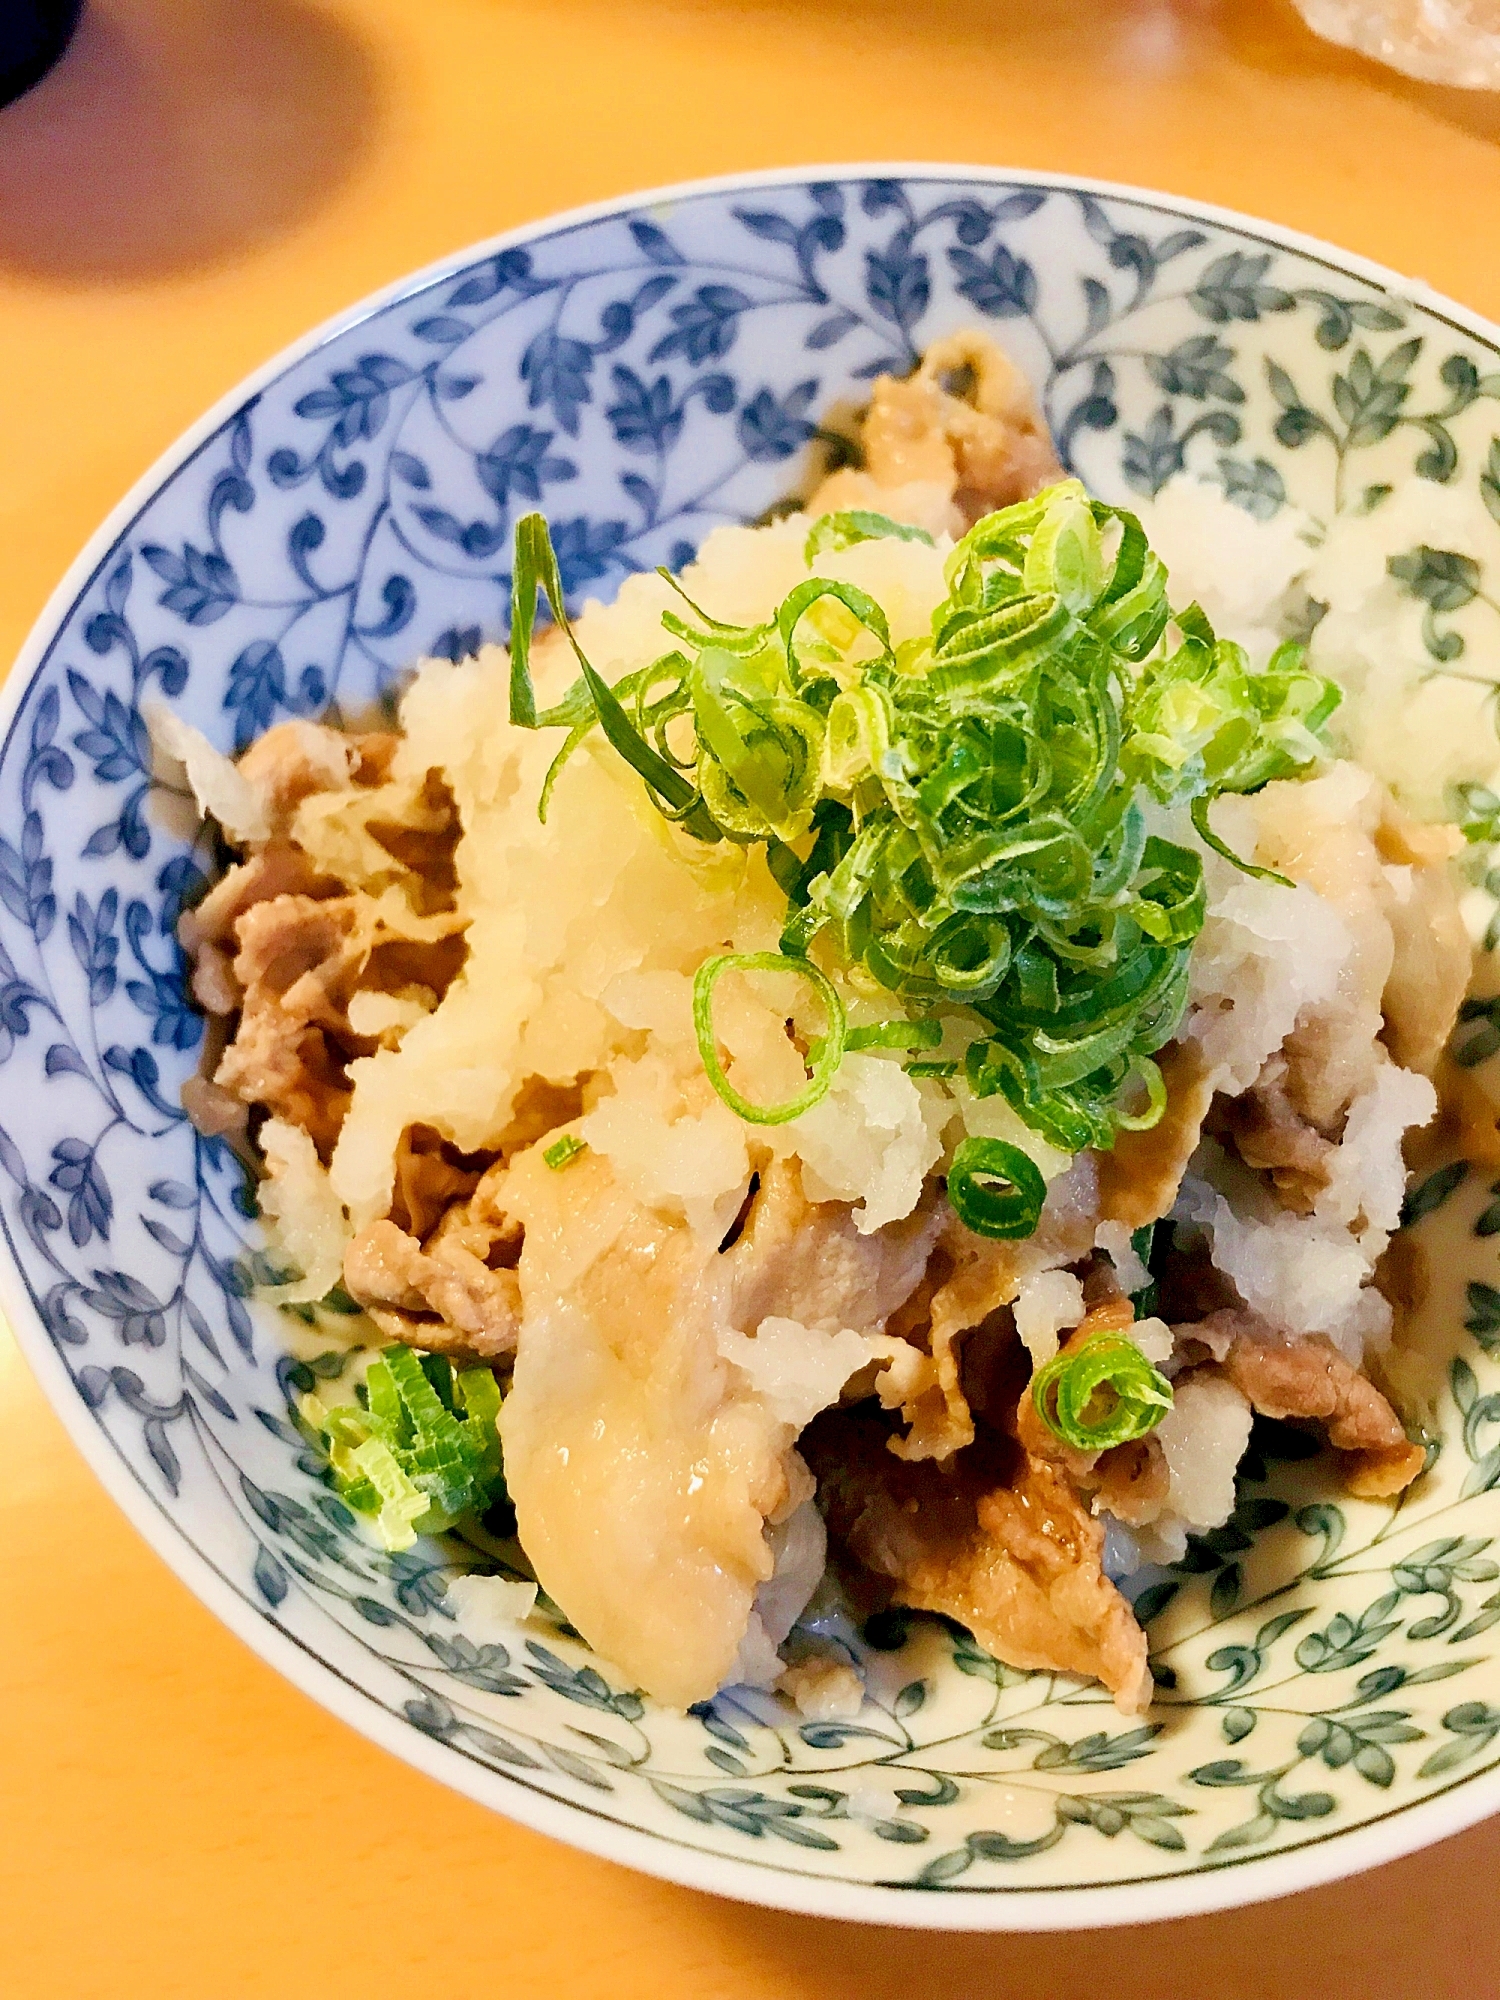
pixel 200 182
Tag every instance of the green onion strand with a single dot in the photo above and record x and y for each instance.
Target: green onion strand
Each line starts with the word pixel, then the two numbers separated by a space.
pixel 1199 815
pixel 962 818
pixel 995 1189
pixel 422 1452
pixel 1101 1393
pixel 894 1035
pixel 1156 1099
pixel 834 532
pixel 826 1055
pixel 562 1152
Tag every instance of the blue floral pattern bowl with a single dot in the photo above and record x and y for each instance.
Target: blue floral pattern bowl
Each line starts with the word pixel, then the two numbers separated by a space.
pixel 1329 1689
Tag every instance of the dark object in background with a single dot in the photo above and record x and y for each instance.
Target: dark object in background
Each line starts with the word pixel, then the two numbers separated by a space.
pixel 33 34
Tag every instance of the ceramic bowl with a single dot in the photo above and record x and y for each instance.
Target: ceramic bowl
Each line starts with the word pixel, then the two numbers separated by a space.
pixel 1329 1671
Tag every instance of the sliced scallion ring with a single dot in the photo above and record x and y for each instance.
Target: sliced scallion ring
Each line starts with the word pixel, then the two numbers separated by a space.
pixel 1102 1393
pixel 1156 1099
pixel 828 1052
pixel 995 1189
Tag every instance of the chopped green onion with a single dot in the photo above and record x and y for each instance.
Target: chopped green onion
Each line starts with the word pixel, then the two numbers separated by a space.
pixel 1198 813
pixel 536 569
pixel 933 1069
pixel 1146 1301
pixel 1101 1393
pixel 422 1451
pixel 826 1058
pixel 479 1393
pixel 383 1404
pixel 962 819
pixel 894 1035
pixel 402 1503
pixel 857 524
pixel 1156 1099
pixel 565 1149
pixel 995 1189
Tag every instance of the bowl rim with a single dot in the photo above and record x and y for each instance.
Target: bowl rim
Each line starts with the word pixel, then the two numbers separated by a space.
pixel 1222 1885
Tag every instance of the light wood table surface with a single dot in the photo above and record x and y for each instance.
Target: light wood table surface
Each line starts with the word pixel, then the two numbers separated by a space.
pixel 200 182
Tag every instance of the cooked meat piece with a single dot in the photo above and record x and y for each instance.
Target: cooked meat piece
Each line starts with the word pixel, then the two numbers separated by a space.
pixel 296 964
pixel 541 1107
pixel 804 1260
pixel 1310 1378
pixel 279 869
pixel 968 1285
pixel 642 1471
pixel 1328 1065
pixel 970 408
pixel 965 426
pixel 1433 957
pixel 447 1201
pixel 304 953
pixel 431 1178
pixel 1269 1135
pixel 374 751
pixel 214 985
pixel 994 1368
pixel 483 1225
pixel 1101 1283
pixel 1116 1315
pixel 213 1111
pixel 1404 1275
pixel 440 1272
pixel 207 935
pixel 423 841
pixel 996 1539
pixel 1132 1482
pixel 1113 1316
pixel 1041 1591
pixel 1408 965
pixel 644 1467
pixel 1469 1128
pixel 299 962
pixel 964 1301
pixel 1140 1175
pixel 443 1299
pixel 293 760
pixel 1189 1285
